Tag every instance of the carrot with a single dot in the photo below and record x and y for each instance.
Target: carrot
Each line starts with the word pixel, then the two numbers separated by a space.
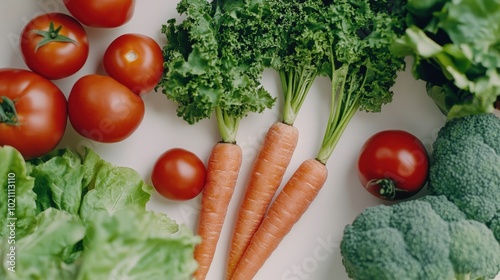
pixel 222 172
pixel 285 211
pixel 265 178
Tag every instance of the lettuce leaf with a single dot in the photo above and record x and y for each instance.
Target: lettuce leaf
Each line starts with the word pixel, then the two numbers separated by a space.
pixel 59 180
pixel 111 188
pixel 150 246
pixel 455 46
pixel 17 199
pixel 80 217
pixel 41 254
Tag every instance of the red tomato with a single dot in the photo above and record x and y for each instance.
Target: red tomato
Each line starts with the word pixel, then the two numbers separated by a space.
pixel 393 164
pixel 178 174
pixel 102 109
pixel 54 45
pixel 136 61
pixel 101 13
pixel 33 112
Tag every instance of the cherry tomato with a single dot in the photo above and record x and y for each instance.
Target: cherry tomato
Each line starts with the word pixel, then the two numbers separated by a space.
pixel 54 45
pixel 178 174
pixel 101 13
pixel 102 109
pixel 393 164
pixel 33 112
pixel 136 61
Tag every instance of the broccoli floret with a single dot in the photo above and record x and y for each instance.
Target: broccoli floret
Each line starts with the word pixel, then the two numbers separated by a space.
pixel 426 238
pixel 465 167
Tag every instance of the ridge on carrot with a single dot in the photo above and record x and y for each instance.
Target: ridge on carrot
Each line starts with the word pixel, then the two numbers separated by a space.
pixel 297 43
pixel 205 78
pixel 362 71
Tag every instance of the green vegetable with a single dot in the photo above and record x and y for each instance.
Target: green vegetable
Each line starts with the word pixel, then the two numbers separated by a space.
pixel 84 218
pixel 203 73
pixel 361 67
pixel 455 46
pixel 426 238
pixel 298 53
pixel 465 167
pixel 16 193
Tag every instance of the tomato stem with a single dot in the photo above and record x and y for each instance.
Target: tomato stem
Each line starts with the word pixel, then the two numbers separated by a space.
pixel 387 187
pixel 8 114
pixel 52 35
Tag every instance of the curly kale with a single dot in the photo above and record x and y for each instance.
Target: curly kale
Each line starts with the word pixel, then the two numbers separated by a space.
pixel 203 72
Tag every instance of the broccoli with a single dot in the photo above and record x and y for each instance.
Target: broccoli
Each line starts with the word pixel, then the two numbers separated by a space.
pixel 425 238
pixel 465 167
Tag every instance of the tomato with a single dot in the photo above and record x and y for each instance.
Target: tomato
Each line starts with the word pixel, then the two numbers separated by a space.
pixel 101 13
pixel 33 112
pixel 178 174
pixel 54 45
pixel 393 164
pixel 102 109
pixel 136 61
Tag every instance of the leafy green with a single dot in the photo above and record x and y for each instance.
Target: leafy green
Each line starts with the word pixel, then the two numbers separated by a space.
pixel 204 76
pixel 42 253
pixel 359 63
pixel 16 193
pixel 59 178
pixel 84 218
pixel 148 247
pixel 456 51
pixel 300 50
pixel 132 190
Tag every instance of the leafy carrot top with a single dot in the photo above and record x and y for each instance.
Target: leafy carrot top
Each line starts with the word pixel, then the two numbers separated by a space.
pixel 205 70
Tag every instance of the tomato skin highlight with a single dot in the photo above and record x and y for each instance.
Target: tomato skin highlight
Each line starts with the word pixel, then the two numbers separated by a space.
pixel 55 59
pixel 102 109
pixel 136 61
pixel 178 174
pixel 393 165
pixel 101 13
pixel 41 109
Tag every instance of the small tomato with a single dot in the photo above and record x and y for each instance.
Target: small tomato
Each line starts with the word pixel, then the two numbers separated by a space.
pixel 54 45
pixel 102 109
pixel 178 174
pixel 393 164
pixel 136 61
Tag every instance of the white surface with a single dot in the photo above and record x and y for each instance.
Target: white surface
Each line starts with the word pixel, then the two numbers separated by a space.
pixel 311 250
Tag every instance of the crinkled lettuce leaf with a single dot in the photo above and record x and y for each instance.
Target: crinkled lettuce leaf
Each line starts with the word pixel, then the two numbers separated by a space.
pixel 112 189
pixel 59 180
pixel 150 246
pixel 80 217
pixel 456 51
pixel 43 252
pixel 16 191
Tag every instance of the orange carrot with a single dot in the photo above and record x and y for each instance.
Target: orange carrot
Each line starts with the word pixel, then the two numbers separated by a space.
pixel 222 172
pixel 285 211
pixel 265 178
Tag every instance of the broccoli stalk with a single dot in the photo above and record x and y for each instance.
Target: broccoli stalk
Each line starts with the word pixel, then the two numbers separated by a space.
pixel 358 62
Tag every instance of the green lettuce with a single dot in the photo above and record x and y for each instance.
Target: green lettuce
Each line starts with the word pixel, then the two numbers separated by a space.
pixel 16 189
pixel 455 47
pixel 84 218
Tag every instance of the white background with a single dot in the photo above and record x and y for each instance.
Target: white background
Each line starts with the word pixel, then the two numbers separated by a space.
pixel 311 250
